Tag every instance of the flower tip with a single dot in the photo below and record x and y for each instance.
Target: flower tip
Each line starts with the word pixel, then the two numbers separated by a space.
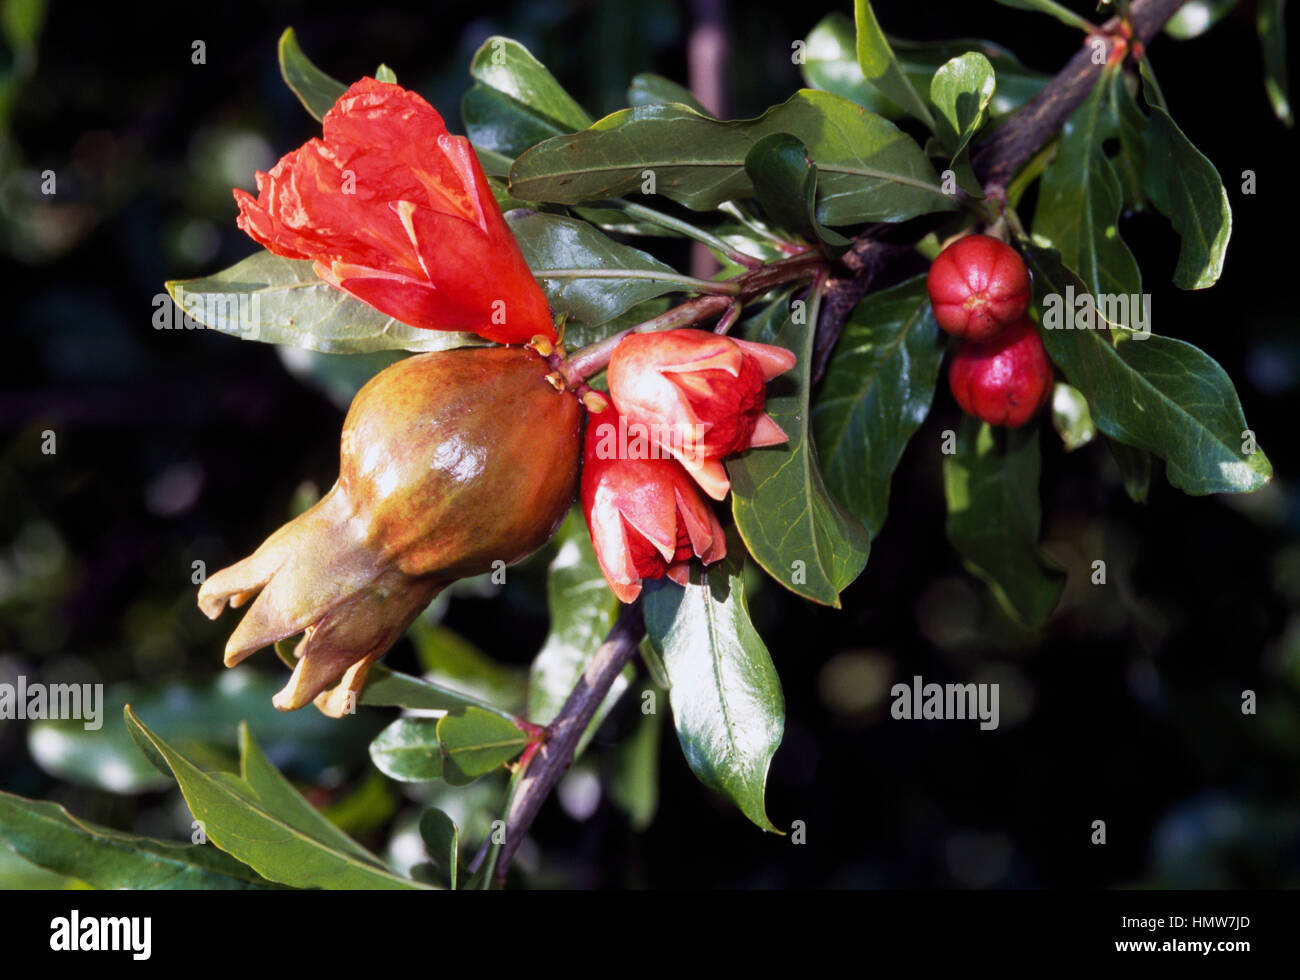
pixel 771 359
pixel 767 433
pixel 710 475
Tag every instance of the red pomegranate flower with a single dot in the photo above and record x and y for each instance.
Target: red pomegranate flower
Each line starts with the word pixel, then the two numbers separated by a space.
pixel 396 211
pixel 646 517
pixel 701 394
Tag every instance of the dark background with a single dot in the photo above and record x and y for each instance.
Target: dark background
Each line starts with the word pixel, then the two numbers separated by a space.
pixel 182 445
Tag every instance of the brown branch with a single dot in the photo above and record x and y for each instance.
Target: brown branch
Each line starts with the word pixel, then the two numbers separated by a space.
pixel 563 734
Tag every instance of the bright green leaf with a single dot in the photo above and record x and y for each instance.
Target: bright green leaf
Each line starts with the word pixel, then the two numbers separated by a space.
pixel 1195 17
pixel 880 67
pixel 408 750
pixel 1070 417
pixel 316 90
pixel 441 839
pixel 474 742
pixel 962 90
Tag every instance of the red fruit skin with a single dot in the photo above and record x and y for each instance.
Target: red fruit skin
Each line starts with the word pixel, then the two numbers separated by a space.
pixel 978 286
pixel 1005 381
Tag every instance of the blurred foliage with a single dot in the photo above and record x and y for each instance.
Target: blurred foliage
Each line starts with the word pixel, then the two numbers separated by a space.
pixel 181 446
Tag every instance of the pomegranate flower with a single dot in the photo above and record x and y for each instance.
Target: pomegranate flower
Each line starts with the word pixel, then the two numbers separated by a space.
pixel 701 394
pixel 646 517
pixel 394 210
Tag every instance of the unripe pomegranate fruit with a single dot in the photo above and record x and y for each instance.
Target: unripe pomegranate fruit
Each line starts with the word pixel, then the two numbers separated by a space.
pixel 978 286
pixel 450 462
pixel 1004 381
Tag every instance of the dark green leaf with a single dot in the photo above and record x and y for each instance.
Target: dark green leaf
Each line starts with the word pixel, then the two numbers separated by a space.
pixel 1271 24
pixel 869 170
pixel 389 688
pixel 441 839
pixel 1079 204
pixel 1053 9
pixel 785 183
pixel 831 64
pixel 991 486
pixel 474 742
pixel 634 779
pixel 791 524
pixel 552 242
pixel 1156 393
pixel 1134 469
pixel 408 751
pixel 283 301
pixel 651 89
pixel 50 837
pixel 961 92
pixel 262 821
pixel 725 695
pixel 1185 188
pixel 1127 124
pixel 881 68
pixel 316 90
pixel 875 395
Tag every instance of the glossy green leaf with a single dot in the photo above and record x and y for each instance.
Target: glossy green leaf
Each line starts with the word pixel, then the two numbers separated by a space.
pixel 515 102
pixel 1185 187
pixel 634 768
pixel 1195 17
pixel 725 695
pixel 1070 417
pixel 793 527
pixel 991 485
pixel 582 612
pixel 1134 469
pixel 876 393
pixel 49 837
pixel 830 63
pixel 1053 9
pixel 961 92
pixel 283 301
pixel 315 90
pixel 1079 204
pixel 650 89
pixel 785 183
pixel 869 170
pixel 552 242
pixel 392 689
pixel 474 742
pixel 1157 393
pixel 1270 21
pixel 441 839
pixel 881 68
pixel 262 821
pixel 408 750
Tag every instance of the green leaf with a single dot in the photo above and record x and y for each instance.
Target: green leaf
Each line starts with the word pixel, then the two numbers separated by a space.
pixel 880 67
pixel 552 242
pixel 1157 393
pixel 1134 469
pixel 1127 124
pixel 262 821
pixel 961 90
pixel 448 658
pixel 1185 188
pixel 441 839
pixel 385 74
pixel 725 695
pixel 1070 417
pixel 650 89
pixel 315 90
pixel 991 486
pixel 50 837
pixel 408 750
pixel 1079 204
pixel 582 612
pixel 876 393
pixel 283 301
pixel 1270 22
pixel 869 170
pixel 474 742
pixel 392 689
pixel 634 776
pixel 830 63
pixel 791 524
pixel 515 102
pixel 1196 17
pixel 1053 9
pixel 785 183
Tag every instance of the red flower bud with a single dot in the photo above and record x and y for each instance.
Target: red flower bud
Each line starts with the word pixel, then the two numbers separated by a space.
pixel 397 212
pixel 450 462
pixel 701 394
pixel 646 517
pixel 978 286
pixel 1005 381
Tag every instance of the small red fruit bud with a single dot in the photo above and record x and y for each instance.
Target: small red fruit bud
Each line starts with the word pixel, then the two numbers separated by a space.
pixel 978 286
pixel 1005 381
